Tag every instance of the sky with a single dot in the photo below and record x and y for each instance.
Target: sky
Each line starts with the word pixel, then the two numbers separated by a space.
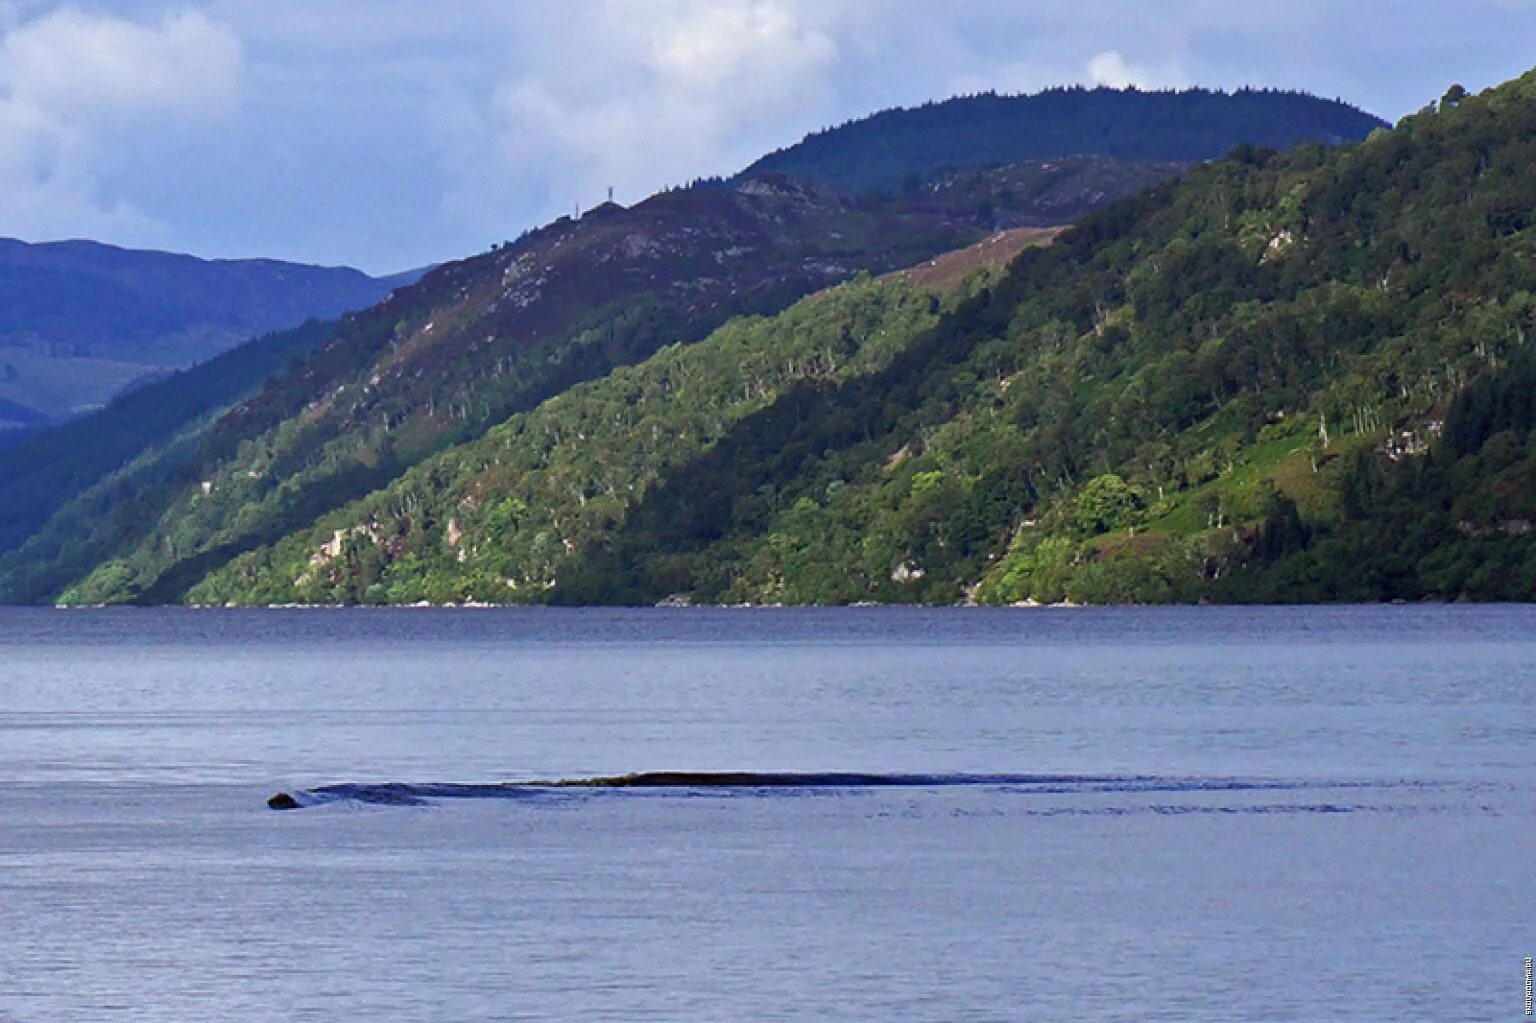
pixel 388 134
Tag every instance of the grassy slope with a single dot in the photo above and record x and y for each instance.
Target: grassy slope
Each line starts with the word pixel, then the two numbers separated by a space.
pixel 1195 350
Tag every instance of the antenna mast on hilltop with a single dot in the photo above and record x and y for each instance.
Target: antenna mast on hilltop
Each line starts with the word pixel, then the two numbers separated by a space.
pixel 610 193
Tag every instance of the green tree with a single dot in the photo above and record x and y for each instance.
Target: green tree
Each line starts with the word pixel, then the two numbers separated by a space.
pixel 1106 503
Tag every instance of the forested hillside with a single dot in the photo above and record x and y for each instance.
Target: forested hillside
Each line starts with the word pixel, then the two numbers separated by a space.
pixel 418 380
pixel 472 343
pixel 144 445
pixel 903 148
pixel 1304 376
pixel 504 517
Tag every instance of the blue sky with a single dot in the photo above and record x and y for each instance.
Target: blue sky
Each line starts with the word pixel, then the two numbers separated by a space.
pixel 391 133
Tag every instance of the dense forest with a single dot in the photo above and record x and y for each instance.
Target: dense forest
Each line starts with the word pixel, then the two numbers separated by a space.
pixel 1300 376
pixel 904 148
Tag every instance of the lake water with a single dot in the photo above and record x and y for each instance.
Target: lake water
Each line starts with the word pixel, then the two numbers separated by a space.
pixel 1191 814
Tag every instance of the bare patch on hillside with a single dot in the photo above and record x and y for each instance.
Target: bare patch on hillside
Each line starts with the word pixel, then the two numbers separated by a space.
pixel 944 272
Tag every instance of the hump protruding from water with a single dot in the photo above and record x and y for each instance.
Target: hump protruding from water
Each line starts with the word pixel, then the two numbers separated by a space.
pixel 401 794
pixel 404 794
pixel 775 780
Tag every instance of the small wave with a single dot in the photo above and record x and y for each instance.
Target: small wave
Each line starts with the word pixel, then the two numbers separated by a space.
pixel 405 794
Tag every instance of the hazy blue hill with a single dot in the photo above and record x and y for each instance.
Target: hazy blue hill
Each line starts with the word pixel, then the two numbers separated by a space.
pixel 160 306
pixel 80 320
pixel 883 150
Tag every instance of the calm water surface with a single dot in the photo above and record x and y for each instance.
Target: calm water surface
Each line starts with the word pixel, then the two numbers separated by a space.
pixel 1213 814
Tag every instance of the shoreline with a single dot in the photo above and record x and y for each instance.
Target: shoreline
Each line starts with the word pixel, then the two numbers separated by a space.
pixel 1065 605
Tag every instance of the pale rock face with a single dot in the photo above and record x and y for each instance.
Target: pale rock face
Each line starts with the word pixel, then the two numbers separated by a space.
pixel 638 246
pixel 331 549
pixel 764 187
pixel 1278 245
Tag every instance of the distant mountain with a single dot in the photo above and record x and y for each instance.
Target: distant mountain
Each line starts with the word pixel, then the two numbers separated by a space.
pixel 902 147
pixel 80 320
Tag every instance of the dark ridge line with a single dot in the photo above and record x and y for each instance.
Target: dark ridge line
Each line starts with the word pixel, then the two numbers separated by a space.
pixel 405 794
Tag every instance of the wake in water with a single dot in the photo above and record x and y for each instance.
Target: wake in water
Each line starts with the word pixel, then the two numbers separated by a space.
pixel 402 794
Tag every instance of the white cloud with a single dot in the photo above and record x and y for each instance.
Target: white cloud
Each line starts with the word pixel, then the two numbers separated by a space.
pixel 1112 69
pixel 641 96
pixel 71 85
pixel 752 50
pixel 79 64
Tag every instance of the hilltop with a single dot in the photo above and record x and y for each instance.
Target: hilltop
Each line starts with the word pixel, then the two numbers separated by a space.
pixel 903 148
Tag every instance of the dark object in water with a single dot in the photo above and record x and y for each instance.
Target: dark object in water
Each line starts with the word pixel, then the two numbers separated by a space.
pixel 399 794
pixel 402 794
pixel 760 780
